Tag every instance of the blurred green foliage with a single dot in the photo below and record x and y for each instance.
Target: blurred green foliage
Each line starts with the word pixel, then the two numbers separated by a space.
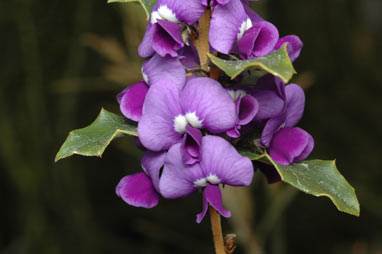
pixel 62 61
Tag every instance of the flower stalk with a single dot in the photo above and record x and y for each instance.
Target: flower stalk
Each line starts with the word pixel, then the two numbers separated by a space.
pixel 216 231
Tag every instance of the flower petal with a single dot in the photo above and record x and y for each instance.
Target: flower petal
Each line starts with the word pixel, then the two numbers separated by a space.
pixel 248 108
pixel 213 196
pixel 271 127
pixel 158 68
pixel 270 104
pixel 220 158
pixel 178 179
pixel 138 190
pixel 295 104
pixel 152 162
pixel 189 56
pixel 255 18
pixel 145 49
pixel 131 100
pixel 294 45
pixel 290 145
pixel 211 103
pixel 189 11
pixel 167 38
pixel 259 40
pixel 191 145
pixel 226 22
pixel 156 127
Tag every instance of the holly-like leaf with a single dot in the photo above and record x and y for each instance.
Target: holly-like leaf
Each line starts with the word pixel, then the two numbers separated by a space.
pixel 146 4
pixel 318 178
pixel 93 139
pixel 276 63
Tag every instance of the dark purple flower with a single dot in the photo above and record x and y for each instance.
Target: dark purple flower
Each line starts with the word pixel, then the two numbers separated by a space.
pixel 220 164
pixel 246 109
pixel 290 145
pixel 142 189
pixel 203 103
pixel 294 45
pixel 258 40
pixel 164 31
pixel 132 98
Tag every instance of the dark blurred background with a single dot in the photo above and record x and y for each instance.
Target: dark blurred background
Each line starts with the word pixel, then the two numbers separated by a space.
pixel 61 61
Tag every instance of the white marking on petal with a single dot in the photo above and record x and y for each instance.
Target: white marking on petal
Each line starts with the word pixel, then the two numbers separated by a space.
pixel 200 183
pixel 145 77
pixel 236 93
pixel 180 124
pixel 213 179
pixel 145 170
pixel 193 120
pixel 247 24
pixel 164 13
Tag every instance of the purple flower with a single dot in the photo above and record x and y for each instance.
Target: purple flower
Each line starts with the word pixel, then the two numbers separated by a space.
pixel 246 109
pixel 142 189
pixel 164 31
pixel 220 164
pixel 169 115
pixel 294 45
pixel 290 145
pixel 258 40
pixel 132 98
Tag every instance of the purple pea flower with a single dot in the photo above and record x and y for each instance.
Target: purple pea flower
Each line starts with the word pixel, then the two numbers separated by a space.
pixel 246 109
pixel 290 145
pixel 294 45
pixel 164 32
pixel 286 145
pixel 220 164
pixel 131 99
pixel 170 116
pixel 142 189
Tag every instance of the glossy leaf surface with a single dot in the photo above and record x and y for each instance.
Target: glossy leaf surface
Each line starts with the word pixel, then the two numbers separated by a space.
pixel 276 63
pixel 318 178
pixel 93 139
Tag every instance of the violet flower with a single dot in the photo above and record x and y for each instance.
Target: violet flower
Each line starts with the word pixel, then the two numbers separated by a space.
pixel 246 109
pixel 131 99
pixel 164 31
pixel 171 117
pixel 294 45
pixel 142 189
pixel 220 164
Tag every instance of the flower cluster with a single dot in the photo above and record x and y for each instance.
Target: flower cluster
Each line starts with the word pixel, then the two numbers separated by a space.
pixel 188 123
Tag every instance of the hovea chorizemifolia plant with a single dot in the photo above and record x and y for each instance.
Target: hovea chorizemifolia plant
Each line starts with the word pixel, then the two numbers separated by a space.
pixel 213 98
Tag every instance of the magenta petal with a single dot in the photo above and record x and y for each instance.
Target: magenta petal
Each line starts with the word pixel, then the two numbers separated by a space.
pixel 213 196
pixel 295 104
pixel 290 145
pixel 270 128
pixel 189 56
pixel 158 68
pixel 234 132
pixel 167 38
pixel 156 127
pixel 138 190
pixel 178 179
pixel 211 103
pixel 220 158
pixel 225 25
pixel 145 49
pixel 259 40
pixel 248 108
pixel 270 104
pixel 152 162
pixel 191 145
pixel 294 45
pixel 131 100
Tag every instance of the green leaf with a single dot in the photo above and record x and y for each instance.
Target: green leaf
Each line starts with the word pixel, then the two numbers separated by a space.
pixel 146 4
pixel 93 139
pixel 276 63
pixel 318 178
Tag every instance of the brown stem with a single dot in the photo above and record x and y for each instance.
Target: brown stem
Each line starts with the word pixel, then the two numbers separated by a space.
pixel 216 231
pixel 201 43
